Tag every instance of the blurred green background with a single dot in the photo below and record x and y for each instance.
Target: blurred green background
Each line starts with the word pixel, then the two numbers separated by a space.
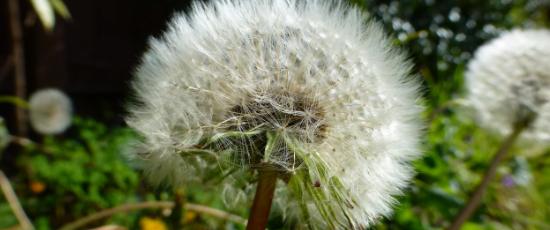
pixel 62 178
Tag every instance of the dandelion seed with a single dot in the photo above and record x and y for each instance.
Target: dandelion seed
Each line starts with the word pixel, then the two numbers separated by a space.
pixel 308 89
pixel 50 111
pixel 509 79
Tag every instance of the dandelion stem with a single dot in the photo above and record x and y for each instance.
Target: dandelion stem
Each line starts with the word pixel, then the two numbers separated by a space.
pixel 177 210
pixel 259 213
pixel 477 195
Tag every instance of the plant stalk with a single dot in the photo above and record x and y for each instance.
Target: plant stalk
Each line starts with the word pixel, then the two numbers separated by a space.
pixel 477 195
pixel 177 210
pixel 18 55
pixel 15 206
pixel 259 213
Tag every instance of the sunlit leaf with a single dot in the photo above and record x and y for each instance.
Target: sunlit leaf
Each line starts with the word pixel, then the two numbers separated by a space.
pixel 473 226
pixel 61 8
pixel 45 12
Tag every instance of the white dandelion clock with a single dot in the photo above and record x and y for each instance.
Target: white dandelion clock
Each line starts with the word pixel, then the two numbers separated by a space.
pixel 50 111
pixel 306 93
pixel 509 81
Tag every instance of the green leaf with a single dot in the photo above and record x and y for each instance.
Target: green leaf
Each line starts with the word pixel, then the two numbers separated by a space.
pixel 473 226
pixel 17 101
pixel 7 219
pixel 60 8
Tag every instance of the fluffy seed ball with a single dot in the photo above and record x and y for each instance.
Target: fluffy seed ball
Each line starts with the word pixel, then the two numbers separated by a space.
pixel 307 87
pixel 509 78
pixel 50 111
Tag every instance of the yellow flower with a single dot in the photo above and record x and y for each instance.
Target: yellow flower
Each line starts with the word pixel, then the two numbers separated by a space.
pixel 37 187
pixel 189 216
pixel 147 223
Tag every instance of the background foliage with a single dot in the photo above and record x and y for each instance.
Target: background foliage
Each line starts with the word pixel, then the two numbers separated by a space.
pixel 62 178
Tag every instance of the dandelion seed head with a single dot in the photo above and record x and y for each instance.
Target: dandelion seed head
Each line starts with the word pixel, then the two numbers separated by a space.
pixel 310 88
pixel 508 79
pixel 50 111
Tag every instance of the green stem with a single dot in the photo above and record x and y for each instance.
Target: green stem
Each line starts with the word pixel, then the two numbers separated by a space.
pixel 178 210
pixel 17 101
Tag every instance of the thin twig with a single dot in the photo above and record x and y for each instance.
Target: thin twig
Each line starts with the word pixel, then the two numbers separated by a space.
pixel 477 195
pixel 80 223
pixel 26 143
pixel 215 213
pixel 14 203
pixel 18 53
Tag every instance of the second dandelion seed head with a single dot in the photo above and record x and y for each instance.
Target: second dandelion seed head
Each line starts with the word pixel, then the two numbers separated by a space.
pixel 50 111
pixel 508 82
